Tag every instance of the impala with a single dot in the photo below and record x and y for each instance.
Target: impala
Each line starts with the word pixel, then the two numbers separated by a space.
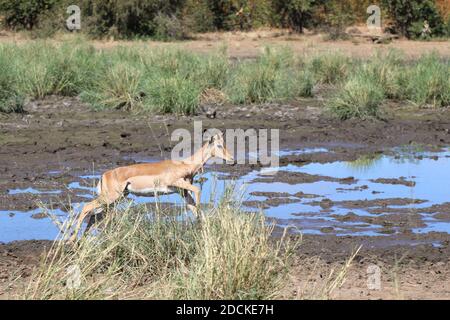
pixel 149 179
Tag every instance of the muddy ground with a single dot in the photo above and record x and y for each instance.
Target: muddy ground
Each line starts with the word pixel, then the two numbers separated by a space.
pixel 60 138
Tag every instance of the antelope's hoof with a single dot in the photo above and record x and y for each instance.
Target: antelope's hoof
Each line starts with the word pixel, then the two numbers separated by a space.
pixel 194 209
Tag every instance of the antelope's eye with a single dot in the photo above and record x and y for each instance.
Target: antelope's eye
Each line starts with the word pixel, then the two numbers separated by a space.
pixel 219 146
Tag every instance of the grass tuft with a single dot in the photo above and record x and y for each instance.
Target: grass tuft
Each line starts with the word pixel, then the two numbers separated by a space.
pixel 174 81
pixel 116 88
pixel 329 68
pixel 227 254
pixel 173 95
pixel 429 82
pixel 360 97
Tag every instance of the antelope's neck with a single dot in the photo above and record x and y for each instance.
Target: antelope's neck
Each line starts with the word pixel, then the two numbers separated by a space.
pixel 198 159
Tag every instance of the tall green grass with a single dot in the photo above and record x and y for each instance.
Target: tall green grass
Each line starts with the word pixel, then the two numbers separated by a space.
pixel 11 98
pixel 116 87
pixel 329 67
pixel 429 82
pixel 174 81
pixel 425 82
pixel 388 70
pixel 275 76
pixel 359 97
pixel 226 254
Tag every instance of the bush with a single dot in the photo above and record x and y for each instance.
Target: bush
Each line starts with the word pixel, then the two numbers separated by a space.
pixel 277 75
pixel 197 16
pixel 24 14
pixel 45 69
pixel 51 21
pixel 337 19
pixel 212 71
pixel 125 19
pixel 360 97
pixel 169 28
pixel 295 14
pixel 409 17
pixel 447 27
pixel 252 83
pixel 294 84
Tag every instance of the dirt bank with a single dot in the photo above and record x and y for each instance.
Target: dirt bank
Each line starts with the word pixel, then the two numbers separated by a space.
pixel 243 45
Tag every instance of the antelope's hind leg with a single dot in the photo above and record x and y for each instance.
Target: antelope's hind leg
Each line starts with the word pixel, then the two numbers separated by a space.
pixel 87 209
pixel 103 200
pixel 95 218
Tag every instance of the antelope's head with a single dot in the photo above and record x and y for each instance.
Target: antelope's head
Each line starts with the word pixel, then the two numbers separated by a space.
pixel 217 148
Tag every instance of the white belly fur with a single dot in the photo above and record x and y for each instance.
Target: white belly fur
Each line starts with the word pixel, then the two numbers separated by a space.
pixel 150 191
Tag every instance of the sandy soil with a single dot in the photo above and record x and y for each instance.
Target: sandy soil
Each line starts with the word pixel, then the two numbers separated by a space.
pixel 251 44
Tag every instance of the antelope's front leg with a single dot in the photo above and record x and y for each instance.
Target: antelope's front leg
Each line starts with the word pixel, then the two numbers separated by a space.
pixel 190 203
pixel 183 184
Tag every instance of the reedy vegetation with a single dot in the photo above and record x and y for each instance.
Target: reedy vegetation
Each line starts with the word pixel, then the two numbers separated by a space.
pixel 227 254
pixel 173 81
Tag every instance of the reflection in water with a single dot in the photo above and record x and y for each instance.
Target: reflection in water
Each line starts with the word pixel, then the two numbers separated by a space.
pixel 365 162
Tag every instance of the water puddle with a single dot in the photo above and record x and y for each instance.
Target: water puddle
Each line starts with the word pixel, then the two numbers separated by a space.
pixel 358 198
pixel 28 225
pixel 33 191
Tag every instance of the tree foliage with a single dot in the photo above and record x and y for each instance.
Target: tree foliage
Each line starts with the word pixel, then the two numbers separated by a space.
pixel 175 18
pixel 409 16
pixel 24 14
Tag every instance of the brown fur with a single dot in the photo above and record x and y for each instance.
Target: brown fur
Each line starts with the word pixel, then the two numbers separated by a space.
pixel 159 177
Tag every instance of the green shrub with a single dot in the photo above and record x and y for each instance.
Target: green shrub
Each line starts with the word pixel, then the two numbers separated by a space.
pixel 197 16
pixel 360 97
pixel 49 22
pixel 212 71
pixel 447 27
pixel 268 78
pixel 295 14
pixel 24 14
pixel 126 19
pixel 169 28
pixel 338 17
pixel 45 69
pixel 294 84
pixel 35 75
pixel 409 16
pixel 234 259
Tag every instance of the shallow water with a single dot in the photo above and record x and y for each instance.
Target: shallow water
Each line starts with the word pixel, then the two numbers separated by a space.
pixel 33 191
pixel 429 171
